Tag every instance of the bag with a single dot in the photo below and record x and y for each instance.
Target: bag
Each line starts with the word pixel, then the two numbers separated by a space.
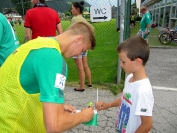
pixel 153 25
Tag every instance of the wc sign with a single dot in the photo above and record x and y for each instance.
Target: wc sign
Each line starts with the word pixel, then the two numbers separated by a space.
pixel 100 13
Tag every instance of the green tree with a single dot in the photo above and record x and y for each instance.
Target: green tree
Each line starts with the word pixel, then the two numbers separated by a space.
pixel 67 13
pixel 22 6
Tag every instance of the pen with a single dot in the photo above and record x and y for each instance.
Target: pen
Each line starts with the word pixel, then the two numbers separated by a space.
pixel 89 104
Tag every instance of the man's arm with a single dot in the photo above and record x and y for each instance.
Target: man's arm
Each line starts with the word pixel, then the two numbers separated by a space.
pixel 59 28
pixel 147 28
pixel 57 120
pixel 146 124
pixel 28 33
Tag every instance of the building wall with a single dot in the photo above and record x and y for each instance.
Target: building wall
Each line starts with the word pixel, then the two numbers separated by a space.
pixel 164 12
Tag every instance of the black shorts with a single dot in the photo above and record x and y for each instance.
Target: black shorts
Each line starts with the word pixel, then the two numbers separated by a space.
pixel 132 21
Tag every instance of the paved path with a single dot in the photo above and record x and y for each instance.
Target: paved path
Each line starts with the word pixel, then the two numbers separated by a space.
pixel 162 72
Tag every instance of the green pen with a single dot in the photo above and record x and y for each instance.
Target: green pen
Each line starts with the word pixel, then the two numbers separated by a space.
pixel 89 104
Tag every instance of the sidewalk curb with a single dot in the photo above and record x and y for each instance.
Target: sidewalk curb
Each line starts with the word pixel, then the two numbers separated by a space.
pixel 163 47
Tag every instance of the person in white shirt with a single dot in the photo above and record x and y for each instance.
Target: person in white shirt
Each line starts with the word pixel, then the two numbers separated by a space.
pixel 136 102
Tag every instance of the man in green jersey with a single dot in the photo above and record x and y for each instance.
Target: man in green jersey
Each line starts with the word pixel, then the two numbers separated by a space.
pixel 8 39
pixel 145 24
pixel 33 79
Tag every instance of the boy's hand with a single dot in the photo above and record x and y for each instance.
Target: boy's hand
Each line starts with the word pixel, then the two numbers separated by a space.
pixel 87 114
pixel 100 106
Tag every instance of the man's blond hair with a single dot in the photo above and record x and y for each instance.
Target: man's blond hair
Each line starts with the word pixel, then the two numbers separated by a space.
pixel 81 28
pixel 143 8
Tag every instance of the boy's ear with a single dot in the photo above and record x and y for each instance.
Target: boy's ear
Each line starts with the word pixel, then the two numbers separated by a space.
pixel 139 61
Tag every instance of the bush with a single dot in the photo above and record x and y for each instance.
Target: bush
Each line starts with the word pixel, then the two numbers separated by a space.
pixel 67 13
pixel 138 18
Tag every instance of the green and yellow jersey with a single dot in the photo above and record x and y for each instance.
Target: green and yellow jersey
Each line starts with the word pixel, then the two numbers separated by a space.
pixel 36 72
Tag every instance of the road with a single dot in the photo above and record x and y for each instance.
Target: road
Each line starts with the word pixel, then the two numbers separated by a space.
pixel 162 72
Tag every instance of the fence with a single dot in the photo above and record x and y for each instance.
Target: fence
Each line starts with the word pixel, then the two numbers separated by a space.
pixel 103 60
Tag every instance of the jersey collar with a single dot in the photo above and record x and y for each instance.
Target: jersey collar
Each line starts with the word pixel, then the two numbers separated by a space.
pixel 40 5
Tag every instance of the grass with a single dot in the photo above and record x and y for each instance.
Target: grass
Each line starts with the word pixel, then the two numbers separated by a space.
pixel 104 59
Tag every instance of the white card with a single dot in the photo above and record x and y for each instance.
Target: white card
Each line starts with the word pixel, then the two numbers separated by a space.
pixel 60 81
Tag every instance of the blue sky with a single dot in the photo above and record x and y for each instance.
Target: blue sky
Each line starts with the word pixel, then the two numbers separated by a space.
pixel 105 2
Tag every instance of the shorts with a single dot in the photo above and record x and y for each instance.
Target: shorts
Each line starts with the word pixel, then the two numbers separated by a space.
pixel 143 35
pixel 132 21
pixel 80 56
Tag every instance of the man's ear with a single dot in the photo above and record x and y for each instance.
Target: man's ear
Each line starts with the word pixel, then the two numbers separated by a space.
pixel 78 39
pixel 139 61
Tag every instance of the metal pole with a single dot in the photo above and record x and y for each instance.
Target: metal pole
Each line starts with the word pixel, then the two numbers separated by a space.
pixel 122 14
pixel 127 19
pixel 22 8
pixel 164 15
pixel 118 16
pixel 170 15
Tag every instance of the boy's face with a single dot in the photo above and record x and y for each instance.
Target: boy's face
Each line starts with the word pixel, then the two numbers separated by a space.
pixel 128 65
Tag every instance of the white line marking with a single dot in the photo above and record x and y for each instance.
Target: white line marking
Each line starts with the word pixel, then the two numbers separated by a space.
pixel 164 88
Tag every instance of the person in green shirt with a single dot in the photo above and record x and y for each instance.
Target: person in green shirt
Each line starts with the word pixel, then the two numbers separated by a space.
pixel 32 83
pixel 8 39
pixel 145 24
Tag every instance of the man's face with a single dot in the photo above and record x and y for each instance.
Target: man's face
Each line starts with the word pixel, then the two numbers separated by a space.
pixel 76 48
pixel 143 11
pixel 34 2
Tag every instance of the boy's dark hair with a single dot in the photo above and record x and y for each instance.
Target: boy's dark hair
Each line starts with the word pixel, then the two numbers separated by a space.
pixel 79 5
pixel 42 1
pixel 135 47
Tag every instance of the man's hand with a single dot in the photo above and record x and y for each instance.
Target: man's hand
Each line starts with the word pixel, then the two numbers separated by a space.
pixel 87 114
pixel 146 32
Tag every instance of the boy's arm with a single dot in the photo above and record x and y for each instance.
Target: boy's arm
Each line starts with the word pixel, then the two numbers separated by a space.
pixel 114 103
pixel 146 124
pixel 102 105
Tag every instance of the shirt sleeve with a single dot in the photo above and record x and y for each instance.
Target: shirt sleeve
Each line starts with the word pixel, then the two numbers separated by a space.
pixel 148 19
pixel 51 72
pixel 1 31
pixel 144 104
pixel 27 20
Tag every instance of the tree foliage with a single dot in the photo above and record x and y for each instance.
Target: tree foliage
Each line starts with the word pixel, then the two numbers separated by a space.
pixel 22 6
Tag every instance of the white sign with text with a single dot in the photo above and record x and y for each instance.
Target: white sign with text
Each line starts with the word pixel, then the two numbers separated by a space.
pixel 100 13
